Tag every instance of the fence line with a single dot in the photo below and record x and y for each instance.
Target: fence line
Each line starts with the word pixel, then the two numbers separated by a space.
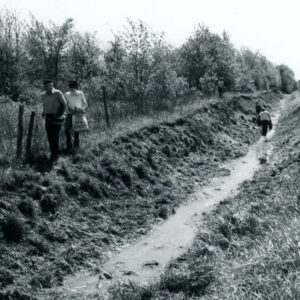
pixel 20 130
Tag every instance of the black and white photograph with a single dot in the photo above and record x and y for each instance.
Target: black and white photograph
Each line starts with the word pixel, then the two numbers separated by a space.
pixel 149 150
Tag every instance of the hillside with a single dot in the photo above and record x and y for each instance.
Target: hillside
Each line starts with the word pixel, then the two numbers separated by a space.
pixel 73 215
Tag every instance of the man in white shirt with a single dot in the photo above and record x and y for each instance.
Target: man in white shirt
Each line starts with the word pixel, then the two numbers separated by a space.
pixel 54 107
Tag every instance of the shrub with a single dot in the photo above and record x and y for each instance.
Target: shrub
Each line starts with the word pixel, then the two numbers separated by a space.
pixel 193 283
pixel 141 172
pixel 41 247
pixel 48 204
pixel 163 212
pixel 6 278
pixel 26 208
pixel 13 229
pixel 126 178
pixel 90 185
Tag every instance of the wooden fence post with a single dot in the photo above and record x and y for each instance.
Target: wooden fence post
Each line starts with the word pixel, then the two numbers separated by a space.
pixel 29 135
pixel 105 107
pixel 20 130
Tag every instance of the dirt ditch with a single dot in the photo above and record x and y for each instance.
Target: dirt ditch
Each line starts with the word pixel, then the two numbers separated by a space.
pixel 247 247
pixel 85 208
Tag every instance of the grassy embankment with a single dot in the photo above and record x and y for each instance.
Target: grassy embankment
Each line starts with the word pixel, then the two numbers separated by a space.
pixel 248 246
pixel 56 220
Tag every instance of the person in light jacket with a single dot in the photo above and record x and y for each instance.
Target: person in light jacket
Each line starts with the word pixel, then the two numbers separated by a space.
pixel 76 103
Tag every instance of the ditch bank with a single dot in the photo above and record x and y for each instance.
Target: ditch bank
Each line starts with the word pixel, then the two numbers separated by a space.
pixel 247 247
pixel 75 215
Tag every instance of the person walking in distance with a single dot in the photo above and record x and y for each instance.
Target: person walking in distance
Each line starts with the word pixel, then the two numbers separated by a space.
pixel 54 108
pixel 265 121
pixel 258 107
pixel 77 105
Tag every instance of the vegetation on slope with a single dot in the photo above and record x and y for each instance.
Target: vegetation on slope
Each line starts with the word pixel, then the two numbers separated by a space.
pixel 248 246
pixel 70 216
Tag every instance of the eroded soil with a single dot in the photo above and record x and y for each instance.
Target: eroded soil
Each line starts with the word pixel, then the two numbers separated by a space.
pixel 86 207
pixel 248 246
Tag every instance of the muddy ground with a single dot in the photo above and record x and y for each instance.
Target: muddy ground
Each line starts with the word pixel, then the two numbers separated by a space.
pixel 59 219
pixel 248 246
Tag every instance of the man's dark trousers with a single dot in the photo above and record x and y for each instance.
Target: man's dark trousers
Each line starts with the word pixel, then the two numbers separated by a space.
pixel 53 136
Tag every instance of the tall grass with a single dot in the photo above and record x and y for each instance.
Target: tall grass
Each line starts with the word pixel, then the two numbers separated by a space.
pixel 123 116
pixel 9 129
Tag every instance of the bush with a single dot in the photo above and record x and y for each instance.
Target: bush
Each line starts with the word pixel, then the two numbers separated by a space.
pixel 193 283
pixel 141 172
pixel 163 212
pixel 6 278
pixel 90 185
pixel 26 208
pixel 13 229
pixel 48 204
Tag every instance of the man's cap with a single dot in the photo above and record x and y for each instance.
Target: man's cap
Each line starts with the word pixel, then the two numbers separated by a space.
pixel 46 81
pixel 72 82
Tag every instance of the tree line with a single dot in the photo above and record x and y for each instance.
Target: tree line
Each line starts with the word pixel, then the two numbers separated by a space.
pixel 139 68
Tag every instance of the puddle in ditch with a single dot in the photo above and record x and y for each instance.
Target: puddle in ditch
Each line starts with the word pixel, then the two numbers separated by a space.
pixel 144 261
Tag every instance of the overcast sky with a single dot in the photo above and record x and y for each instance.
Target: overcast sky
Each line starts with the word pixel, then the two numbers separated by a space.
pixel 270 26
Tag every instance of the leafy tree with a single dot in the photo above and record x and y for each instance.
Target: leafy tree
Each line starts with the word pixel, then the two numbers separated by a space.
pixel 47 48
pixel 207 59
pixel 83 54
pixel 255 72
pixel 287 79
pixel 12 54
pixel 115 69
pixel 139 68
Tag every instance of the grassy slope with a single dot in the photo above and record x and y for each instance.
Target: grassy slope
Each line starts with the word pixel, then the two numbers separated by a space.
pixel 103 197
pixel 248 247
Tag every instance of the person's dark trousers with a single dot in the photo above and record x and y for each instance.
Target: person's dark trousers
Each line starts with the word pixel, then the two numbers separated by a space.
pixel 53 137
pixel 68 128
pixel 264 125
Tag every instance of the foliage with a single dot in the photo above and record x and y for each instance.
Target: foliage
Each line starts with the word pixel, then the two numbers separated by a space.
pixel 12 54
pixel 83 56
pixel 13 229
pixel 287 79
pixel 208 58
pixel 139 68
pixel 142 73
pixel 256 72
pixel 47 48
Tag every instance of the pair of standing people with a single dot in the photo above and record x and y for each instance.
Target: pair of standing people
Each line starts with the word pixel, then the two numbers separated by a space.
pixel 59 108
